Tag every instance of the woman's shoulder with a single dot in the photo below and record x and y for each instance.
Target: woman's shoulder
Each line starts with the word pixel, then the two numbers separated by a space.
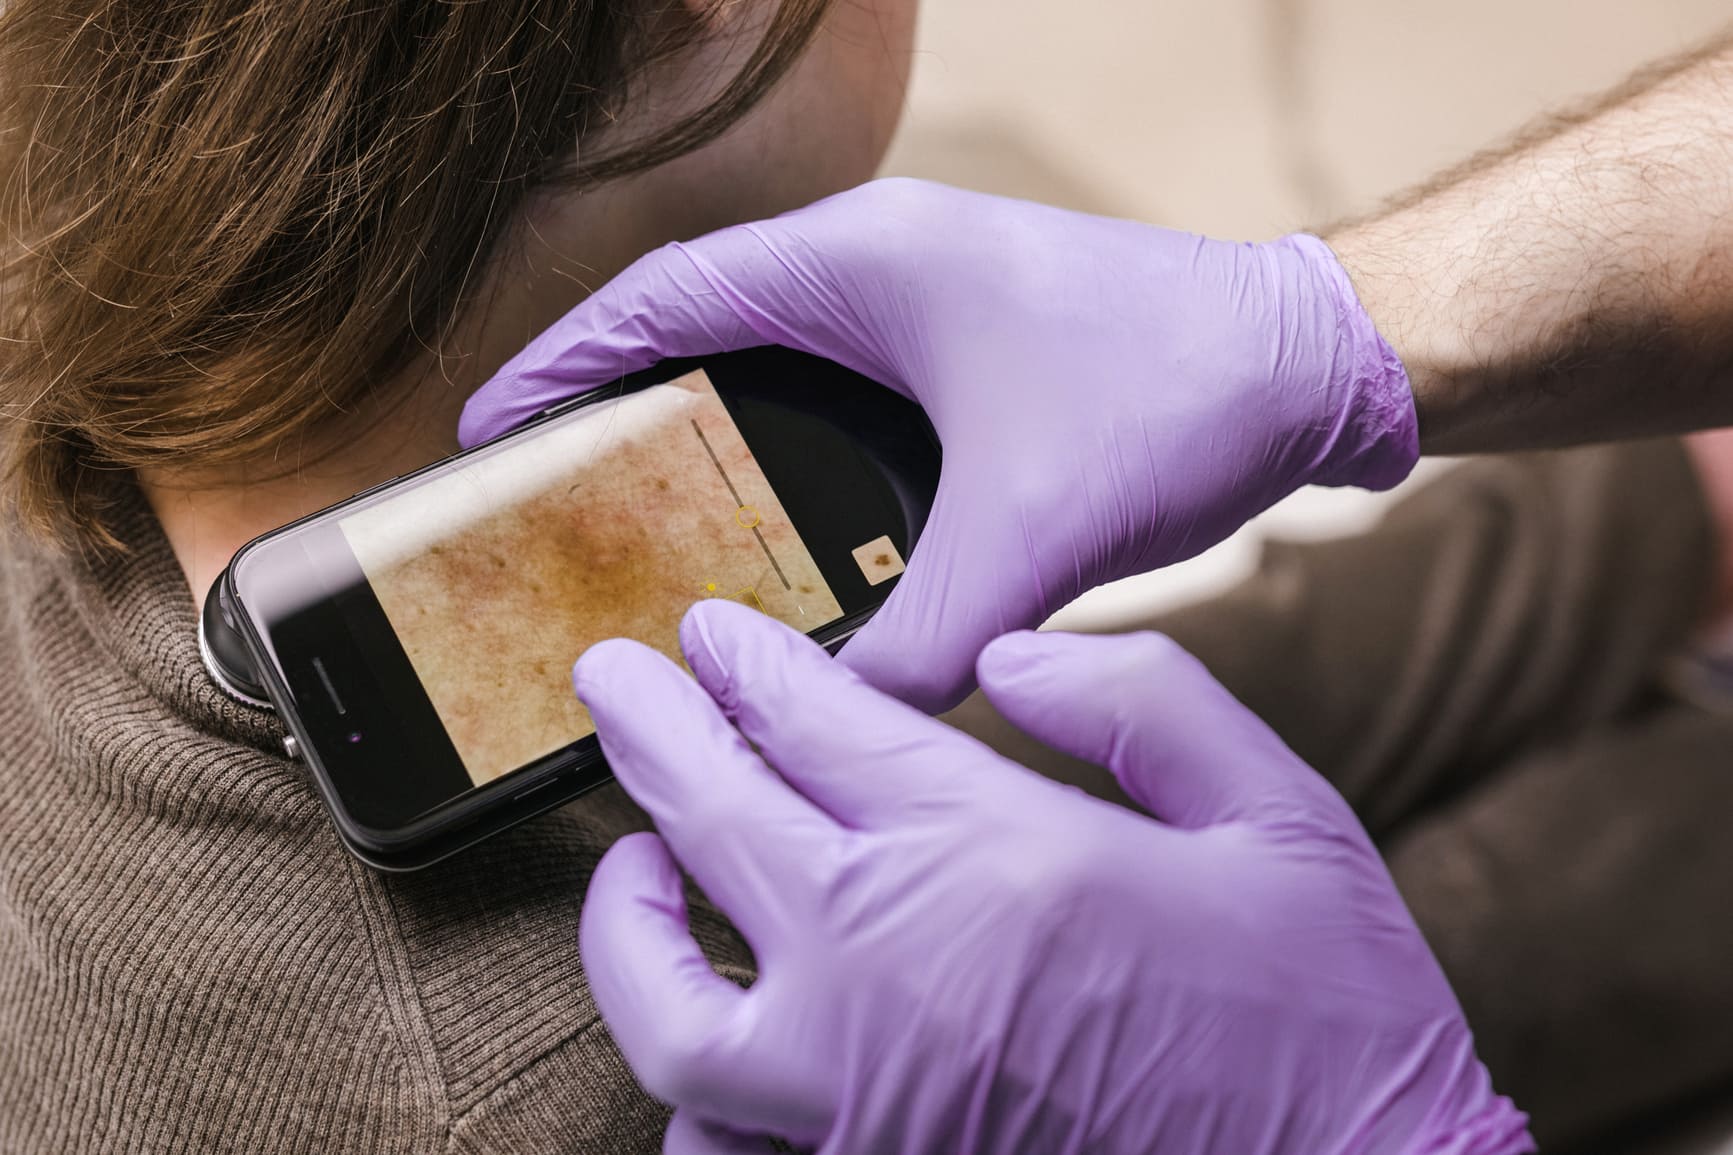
pixel 486 944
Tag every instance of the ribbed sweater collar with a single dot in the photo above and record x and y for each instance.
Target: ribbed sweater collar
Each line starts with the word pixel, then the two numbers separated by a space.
pixel 138 611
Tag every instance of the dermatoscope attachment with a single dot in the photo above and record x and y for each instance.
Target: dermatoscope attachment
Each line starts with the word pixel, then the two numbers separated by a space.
pixel 223 651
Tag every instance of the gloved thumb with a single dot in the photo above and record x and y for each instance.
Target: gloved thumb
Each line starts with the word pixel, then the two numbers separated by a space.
pixel 1139 705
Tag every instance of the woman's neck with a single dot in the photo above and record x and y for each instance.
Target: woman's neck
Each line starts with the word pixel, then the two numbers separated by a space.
pixel 209 515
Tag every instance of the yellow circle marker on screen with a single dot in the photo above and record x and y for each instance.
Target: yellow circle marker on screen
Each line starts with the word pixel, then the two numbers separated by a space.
pixel 746 516
pixel 710 587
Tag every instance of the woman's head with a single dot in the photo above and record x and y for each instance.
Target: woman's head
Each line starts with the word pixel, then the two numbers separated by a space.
pixel 229 221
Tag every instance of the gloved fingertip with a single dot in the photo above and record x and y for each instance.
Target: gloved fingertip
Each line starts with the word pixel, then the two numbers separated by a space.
pixel 1063 689
pixel 711 636
pixel 1010 657
pixel 512 399
pixel 700 649
pixel 635 887
pixel 469 428
pixel 478 421
pixel 649 978
pixel 603 667
pixel 642 863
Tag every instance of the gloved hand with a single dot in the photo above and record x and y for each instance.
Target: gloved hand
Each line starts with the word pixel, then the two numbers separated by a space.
pixel 1111 397
pixel 959 955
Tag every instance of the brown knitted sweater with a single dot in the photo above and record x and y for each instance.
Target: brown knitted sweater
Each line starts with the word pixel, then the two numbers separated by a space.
pixel 190 962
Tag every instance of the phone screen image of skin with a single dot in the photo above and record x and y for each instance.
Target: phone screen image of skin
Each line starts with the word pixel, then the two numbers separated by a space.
pixel 610 523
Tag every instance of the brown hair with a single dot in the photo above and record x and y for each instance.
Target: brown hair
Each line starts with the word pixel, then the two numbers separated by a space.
pixel 224 217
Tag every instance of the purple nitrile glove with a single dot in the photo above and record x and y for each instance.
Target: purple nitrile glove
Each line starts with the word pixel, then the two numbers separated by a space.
pixel 1111 397
pixel 958 955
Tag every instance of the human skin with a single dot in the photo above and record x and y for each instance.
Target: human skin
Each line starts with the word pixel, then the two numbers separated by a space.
pixel 610 523
pixel 825 128
pixel 1576 285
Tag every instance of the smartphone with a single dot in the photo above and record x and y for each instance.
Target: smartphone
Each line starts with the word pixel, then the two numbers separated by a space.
pixel 418 639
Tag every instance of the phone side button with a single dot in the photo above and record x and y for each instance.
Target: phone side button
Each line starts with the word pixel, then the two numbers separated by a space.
pixel 538 787
pixel 291 747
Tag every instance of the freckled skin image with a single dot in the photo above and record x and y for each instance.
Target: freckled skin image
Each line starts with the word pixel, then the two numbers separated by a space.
pixel 609 523
pixel 879 560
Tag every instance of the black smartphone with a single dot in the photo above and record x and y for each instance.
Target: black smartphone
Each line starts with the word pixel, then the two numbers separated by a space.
pixel 418 639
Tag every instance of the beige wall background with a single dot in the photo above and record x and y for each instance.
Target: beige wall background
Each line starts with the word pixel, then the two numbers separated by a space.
pixel 1248 119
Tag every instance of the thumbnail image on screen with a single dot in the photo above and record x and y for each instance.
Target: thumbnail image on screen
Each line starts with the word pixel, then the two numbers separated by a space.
pixel 610 522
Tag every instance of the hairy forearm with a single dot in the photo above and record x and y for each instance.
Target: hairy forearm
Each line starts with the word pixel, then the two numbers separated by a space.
pixel 1576 285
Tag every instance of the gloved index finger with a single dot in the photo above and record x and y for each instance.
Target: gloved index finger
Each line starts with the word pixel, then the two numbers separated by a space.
pixel 732 823
pixel 859 754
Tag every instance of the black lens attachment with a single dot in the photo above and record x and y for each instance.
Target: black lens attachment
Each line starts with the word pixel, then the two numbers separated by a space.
pixel 224 651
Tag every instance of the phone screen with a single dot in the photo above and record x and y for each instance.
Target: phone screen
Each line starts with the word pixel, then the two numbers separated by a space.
pixel 421 636
pixel 610 523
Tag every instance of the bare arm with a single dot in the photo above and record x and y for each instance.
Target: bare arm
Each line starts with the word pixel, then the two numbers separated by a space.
pixel 1575 286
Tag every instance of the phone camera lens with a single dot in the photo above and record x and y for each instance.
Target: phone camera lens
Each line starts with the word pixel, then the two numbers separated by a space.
pixel 355 738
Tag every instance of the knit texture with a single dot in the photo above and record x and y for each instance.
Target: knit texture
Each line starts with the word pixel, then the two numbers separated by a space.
pixel 189 961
